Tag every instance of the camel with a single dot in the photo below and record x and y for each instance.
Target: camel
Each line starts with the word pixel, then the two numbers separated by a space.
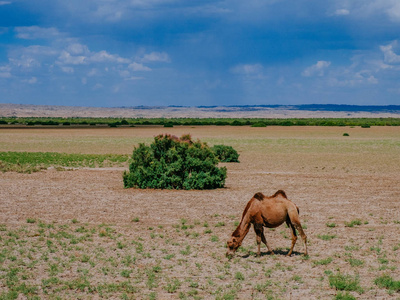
pixel 269 212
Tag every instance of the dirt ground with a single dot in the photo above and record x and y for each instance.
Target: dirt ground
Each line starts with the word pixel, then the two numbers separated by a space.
pixel 347 189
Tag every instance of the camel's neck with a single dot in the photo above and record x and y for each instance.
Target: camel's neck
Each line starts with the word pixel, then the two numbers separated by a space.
pixel 243 228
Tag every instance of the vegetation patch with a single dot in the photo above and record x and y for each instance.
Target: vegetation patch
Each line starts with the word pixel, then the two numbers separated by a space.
pixel 343 282
pixel 28 162
pixel 387 282
pixel 225 153
pixel 356 222
pixel 174 163
pixel 170 122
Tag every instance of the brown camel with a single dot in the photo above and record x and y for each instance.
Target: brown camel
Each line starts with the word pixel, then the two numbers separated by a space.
pixel 269 212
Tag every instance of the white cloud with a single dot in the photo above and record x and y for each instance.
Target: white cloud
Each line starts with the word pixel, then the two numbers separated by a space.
pixel 316 70
pixel 248 69
pixel 77 54
pixel 36 32
pixel 104 56
pixel 389 55
pixel 5 2
pixel 66 58
pixel 5 72
pixel 124 73
pixel 77 49
pixel 5 75
pixel 134 78
pixel 68 70
pixel 32 80
pixel 394 10
pixel 342 12
pixel 156 57
pixel 138 67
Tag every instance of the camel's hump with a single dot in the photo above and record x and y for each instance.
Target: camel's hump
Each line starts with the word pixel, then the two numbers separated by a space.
pixel 259 196
pixel 280 192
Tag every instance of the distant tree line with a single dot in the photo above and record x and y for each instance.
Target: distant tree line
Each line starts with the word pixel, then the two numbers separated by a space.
pixel 170 122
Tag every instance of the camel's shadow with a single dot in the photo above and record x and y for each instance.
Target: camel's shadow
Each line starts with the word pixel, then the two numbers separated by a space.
pixel 276 252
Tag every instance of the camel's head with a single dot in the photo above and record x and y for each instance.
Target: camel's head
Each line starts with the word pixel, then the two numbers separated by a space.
pixel 233 244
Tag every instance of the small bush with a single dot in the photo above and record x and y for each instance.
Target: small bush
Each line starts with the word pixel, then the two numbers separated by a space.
pixel 225 153
pixel 259 124
pixel 346 134
pixel 172 163
pixel 237 123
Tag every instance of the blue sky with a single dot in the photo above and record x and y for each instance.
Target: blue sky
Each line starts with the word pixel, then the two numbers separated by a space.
pixel 173 52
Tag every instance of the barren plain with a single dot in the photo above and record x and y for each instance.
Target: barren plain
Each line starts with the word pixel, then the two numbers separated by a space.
pixel 80 235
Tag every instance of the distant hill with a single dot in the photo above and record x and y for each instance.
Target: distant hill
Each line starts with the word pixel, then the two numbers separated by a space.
pixel 318 107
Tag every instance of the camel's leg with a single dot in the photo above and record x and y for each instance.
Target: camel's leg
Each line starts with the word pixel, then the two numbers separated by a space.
pixel 303 236
pixel 294 237
pixel 294 221
pixel 259 229
pixel 264 240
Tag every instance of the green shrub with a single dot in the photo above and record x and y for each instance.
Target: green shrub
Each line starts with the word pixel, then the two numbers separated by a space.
pixel 237 123
pixel 259 124
pixel 225 153
pixel 346 134
pixel 173 163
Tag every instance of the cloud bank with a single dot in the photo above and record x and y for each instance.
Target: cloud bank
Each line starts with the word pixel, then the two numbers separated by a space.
pixel 175 52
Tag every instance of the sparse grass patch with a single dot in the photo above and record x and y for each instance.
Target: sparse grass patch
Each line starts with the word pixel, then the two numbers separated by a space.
pixel 28 162
pixel 387 282
pixel 326 237
pixel 323 262
pixel 346 296
pixel 356 222
pixel 343 282
pixel 355 262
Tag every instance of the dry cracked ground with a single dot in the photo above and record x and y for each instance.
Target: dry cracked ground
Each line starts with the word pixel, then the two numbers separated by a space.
pixel 80 235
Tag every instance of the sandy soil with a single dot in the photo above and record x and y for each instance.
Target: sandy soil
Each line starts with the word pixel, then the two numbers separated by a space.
pixel 333 179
